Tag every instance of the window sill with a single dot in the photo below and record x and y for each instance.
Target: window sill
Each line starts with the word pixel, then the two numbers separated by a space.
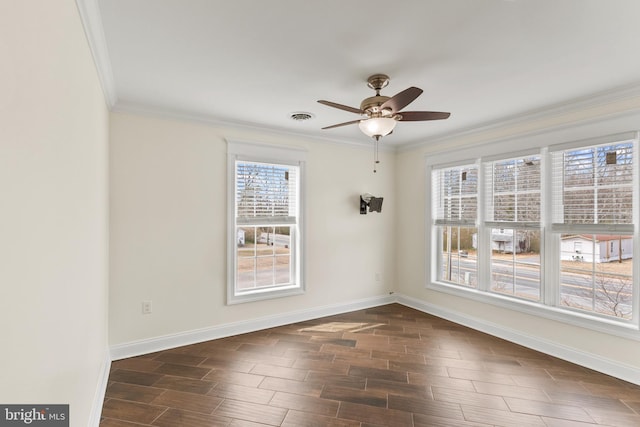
pixel 584 320
pixel 265 294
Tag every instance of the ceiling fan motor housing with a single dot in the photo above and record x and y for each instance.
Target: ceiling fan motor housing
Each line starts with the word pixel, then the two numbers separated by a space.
pixel 371 106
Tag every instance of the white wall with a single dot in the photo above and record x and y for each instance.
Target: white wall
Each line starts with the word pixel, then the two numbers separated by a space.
pixel 168 189
pixel 168 227
pixel 53 210
pixel 413 253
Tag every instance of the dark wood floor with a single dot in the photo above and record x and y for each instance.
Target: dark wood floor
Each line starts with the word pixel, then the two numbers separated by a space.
pixel 386 366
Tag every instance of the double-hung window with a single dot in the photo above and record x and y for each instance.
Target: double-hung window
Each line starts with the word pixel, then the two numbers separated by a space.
pixel 512 220
pixel 455 211
pixel 554 228
pixel 593 226
pixel 265 230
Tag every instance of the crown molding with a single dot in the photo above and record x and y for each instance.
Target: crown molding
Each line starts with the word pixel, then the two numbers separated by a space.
pixel 92 23
pixel 595 100
pixel 164 113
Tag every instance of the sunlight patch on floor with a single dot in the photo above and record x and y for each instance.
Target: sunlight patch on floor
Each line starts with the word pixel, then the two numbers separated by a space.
pixel 342 327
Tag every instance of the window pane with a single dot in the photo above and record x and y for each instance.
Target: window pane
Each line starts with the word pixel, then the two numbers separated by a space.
pixel 615 205
pixel 579 206
pixel 265 190
pixel 513 189
pixel 529 207
pixel 246 238
pixel 282 250
pixel 515 262
pixel 578 170
pixel 469 180
pixel 504 207
pixel 455 193
pixel 528 174
pixel 246 252
pixel 266 237
pixel 451 181
pixel 264 271
pixel 597 277
pixel 246 273
pixel 504 176
pixel 283 269
pixel 467 209
pixel 458 255
pixel 264 257
pixel 596 184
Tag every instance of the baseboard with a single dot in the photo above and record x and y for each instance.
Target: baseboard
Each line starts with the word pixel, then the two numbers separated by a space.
pixel 582 358
pixel 137 348
pixel 588 360
pixel 101 390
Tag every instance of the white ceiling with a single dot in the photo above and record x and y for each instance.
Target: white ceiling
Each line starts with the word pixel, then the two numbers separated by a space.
pixel 254 62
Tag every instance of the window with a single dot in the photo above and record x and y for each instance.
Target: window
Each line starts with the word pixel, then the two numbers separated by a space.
pixel 593 206
pixel 577 246
pixel 553 228
pixel 513 218
pixel 455 214
pixel 265 237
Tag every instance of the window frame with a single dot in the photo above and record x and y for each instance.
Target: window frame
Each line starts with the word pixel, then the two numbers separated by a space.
pixel 548 306
pixel 275 155
pixel 516 224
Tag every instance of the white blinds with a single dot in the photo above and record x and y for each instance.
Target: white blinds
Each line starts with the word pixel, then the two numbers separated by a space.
pixel 266 193
pixel 455 195
pixel 512 190
pixel 594 185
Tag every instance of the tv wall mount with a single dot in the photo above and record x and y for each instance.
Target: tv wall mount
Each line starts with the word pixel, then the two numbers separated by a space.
pixel 369 201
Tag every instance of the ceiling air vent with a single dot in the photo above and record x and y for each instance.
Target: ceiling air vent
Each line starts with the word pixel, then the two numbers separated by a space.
pixel 301 116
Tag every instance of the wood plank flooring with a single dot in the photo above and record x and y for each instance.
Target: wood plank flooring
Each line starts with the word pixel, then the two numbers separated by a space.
pixel 385 366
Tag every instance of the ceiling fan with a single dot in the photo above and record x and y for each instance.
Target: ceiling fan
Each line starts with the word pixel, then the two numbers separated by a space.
pixel 381 113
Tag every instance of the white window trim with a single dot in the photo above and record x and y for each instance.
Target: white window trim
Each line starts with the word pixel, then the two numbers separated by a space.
pixel 265 153
pixel 546 308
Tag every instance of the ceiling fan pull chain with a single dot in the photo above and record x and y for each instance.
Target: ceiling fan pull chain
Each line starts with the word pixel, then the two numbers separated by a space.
pixel 375 154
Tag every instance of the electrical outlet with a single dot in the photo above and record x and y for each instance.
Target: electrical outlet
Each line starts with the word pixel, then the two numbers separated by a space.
pixel 378 277
pixel 146 307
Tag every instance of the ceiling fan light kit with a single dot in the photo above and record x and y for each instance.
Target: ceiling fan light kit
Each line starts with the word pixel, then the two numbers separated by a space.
pixel 378 126
pixel 382 113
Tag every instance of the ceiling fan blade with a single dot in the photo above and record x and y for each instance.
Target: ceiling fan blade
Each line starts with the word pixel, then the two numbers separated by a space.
pixel 402 99
pixel 341 107
pixel 417 116
pixel 342 124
